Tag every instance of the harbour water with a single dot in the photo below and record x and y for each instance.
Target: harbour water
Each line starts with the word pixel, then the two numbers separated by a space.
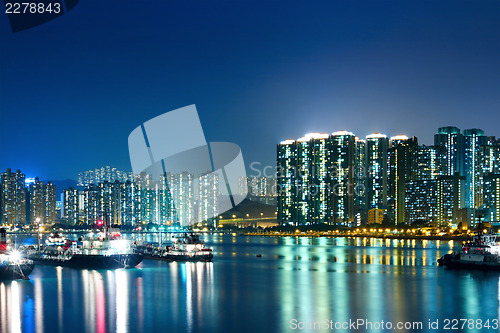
pixel 297 280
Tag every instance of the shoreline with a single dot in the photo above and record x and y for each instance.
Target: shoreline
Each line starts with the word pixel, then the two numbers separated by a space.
pixel 380 236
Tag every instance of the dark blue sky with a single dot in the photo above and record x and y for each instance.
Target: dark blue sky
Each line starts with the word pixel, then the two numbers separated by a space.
pixel 72 90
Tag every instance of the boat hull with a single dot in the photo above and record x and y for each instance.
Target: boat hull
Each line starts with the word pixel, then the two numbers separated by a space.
pixel 181 257
pixel 454 262
pixel 16 271
pixel 91 261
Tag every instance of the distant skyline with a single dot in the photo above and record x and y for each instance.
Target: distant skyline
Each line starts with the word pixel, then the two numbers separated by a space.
pixel 259 72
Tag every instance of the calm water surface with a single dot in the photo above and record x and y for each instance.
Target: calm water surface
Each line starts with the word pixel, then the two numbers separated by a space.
pixel 307 279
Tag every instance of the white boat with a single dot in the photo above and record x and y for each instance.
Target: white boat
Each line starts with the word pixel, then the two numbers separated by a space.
pixel 185 247
pixel 482 252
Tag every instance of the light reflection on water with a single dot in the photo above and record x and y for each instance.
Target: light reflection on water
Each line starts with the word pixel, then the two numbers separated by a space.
pixel 310 279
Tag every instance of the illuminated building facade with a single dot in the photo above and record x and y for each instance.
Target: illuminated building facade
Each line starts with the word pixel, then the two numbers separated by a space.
pixel 13 197
pixel 70 206
pixel 100 175
pixel 342 168
pixel 286 177
pixel 402 167
pixel 360 176
pixel 207 193
pixel 492 197
pixel 259 189
pixel 476 144
pixel 49 198
pixel 430 162
pixel 441 184
pixel 36 199
pixel 421 201
pixel 452 142
pixel 377 161
pixel 375 216
pixel 450 200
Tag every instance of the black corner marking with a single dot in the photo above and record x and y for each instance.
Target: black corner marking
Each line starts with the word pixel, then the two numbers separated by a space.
pixel 26 14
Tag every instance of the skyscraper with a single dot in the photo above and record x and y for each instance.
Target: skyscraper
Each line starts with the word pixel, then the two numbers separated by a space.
pixel 36 197
pixel 421 201
pixel 450 200
pixel 286 177
pixel 430 162
pixel 100 175
pixel 71 209
pixel 49 195
pixel 13 197
pixel 342 168
pixel 476 144
pixel 492 197
pixel 402 167
pixel 376 157
pixel 207 193
pixel 360 178
pixel 452 141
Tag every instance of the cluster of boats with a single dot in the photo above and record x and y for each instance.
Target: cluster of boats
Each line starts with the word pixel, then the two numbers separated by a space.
pixel 108 250
pixel 102 250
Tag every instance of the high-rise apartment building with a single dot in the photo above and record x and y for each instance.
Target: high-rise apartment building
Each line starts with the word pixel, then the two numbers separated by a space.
pixel 342 150
pixel 442 184
pixel 70 206
pixel 402 168
pixel 377 146
pixel 286 177
pixel 360 177
pixel 421 201
pixel 430 162
pixel 13 197
pixel 36 195
pixel 100 175
pixel 450 200
pixel 50 203
pixel 491 201
pixel 476 153
pixel 452 142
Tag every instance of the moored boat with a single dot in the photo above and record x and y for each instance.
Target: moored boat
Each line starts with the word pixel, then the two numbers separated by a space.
pixel 482 252
pixel 12 265
pixel 102 250
pixel 185 247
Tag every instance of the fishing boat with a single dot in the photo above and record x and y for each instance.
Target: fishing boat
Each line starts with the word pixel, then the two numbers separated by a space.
pixel 482 252
pixel 185 247
pixel 101 250
pixel 12 265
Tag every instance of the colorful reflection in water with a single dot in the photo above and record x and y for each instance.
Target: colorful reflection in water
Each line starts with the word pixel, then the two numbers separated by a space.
pixel 308 279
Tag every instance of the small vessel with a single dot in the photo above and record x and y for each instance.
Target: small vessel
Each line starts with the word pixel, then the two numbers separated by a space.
pixel 101 250
pixel 55 239
pixel 185 247
pixel 12 265
pixel 482 252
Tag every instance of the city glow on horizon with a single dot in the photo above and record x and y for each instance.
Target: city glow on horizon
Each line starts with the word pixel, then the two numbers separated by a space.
pixel 339 133
pixel 317 135
pixel 399 137
pixel 376 136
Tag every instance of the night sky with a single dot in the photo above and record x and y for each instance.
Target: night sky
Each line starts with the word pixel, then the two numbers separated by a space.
pixel 259 72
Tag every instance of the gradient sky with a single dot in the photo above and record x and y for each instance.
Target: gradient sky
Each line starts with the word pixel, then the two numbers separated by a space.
pixel 72 90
